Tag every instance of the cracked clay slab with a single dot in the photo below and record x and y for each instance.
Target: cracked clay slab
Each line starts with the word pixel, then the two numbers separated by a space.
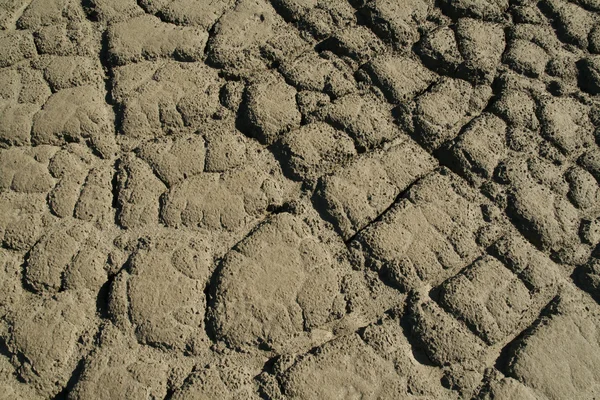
pixel 299 199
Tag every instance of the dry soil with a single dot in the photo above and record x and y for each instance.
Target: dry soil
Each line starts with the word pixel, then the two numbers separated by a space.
pixel 299 199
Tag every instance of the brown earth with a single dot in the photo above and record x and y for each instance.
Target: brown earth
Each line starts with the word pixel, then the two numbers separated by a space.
pixel 299 199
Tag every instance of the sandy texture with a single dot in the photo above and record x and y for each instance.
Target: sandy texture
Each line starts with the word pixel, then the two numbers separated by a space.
pixel 299 199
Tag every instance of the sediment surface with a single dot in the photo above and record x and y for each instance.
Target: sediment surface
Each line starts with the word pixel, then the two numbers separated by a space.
pixel 299 199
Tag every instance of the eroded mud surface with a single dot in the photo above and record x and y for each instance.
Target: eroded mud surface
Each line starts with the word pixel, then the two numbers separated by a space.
pixel 299 199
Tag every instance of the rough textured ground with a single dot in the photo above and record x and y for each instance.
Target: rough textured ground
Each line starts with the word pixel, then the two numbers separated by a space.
pixel 299 199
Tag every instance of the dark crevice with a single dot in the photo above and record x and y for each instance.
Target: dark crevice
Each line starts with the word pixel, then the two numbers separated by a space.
pixel 269 369
pixel 75 375
pixel 431 63
pixel 209 295
pixel 107 64
pixel 299 22
pixel 6 143
pixel 17 17
pixel 388 278
pixel 163 201
pixel 36 42
pixel 142 7
pixel 507 263
pixel 283 12
pixel 522 224
pixel 90 10
pixel 102 299
pixel 4 350
pixel 242 121
pixel 581 278
pixel 115 188
pixel 24 282
pixel 586 78
pixel 418 351
pixel 187 381
pixel 65 272
pixel 319 204
pixel 15 358
pixel 169 394
pixel 269 365
pixel 503 362
pixel 403 194
pixel 379 26
pixel 211 34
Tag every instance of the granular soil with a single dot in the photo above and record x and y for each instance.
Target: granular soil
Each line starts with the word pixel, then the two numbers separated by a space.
pixel 299 199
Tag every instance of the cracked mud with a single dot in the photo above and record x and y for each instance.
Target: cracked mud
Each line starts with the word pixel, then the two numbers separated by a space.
pixel 299 199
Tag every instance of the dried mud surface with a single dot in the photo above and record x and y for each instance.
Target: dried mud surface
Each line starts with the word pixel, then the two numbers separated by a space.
pixel 299 199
